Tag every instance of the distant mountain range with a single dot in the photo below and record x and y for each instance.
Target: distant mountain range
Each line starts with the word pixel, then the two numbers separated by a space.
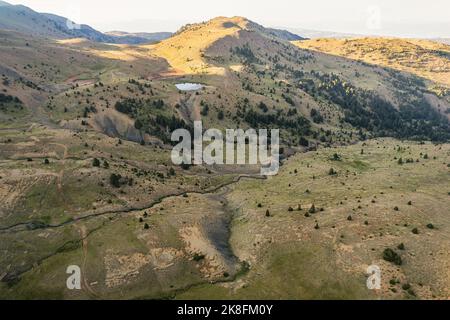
pixel 25 20
pixel 314 34
pixel 284 34
pixel 443 40
pixel 154 36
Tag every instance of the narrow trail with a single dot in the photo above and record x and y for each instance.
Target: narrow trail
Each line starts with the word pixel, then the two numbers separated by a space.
pixel 85 234
pixel 84 243
pixel 63 162
pixel 125 210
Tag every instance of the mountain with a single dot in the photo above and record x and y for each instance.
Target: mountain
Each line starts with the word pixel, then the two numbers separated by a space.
pixel 375 87
pixel 285 35
pixel 424 58
pixel 25 20
pixel 193 41
pixel 149 36
pixel 443 40
pixel 314 34
pixel 87 176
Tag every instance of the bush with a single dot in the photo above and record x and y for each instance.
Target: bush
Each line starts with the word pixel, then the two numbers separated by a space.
pixel 198 257
pixel 316 116
pixel 185 166
pixel 205 110
pixel 336 157
pixel 96 162
pixel 392 256
pixel 138 124
pixel 406 286
pixel 114 180
pixel 303 142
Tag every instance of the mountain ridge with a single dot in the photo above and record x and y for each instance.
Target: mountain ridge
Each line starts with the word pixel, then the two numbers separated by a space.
pixel 25 20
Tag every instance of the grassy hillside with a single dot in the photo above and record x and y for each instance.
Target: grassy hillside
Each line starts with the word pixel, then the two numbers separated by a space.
pixel 369 204
pixel 86 176
pixel 426 59
pixel 279 247
pixel 22 19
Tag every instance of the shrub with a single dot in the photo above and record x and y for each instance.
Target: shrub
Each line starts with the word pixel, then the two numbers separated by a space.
pixel 303 142
pixel 114 180
pixel 336 157
pixel 198 257
pixel 316 116
pixel 392 256
pixel 138 124
pixel 406 286
pixel 96 162
pixel 415 231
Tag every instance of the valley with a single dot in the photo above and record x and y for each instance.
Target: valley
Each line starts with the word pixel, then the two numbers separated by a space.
pixel 86 176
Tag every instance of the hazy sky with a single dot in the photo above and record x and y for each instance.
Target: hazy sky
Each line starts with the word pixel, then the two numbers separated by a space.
pixel 420 18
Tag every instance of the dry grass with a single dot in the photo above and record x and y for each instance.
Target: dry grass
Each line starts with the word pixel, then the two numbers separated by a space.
pixel 185 50
pixel 423 58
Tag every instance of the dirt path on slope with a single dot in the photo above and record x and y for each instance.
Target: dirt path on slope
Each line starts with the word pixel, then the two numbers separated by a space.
pixel 63 162
pixel 84 243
